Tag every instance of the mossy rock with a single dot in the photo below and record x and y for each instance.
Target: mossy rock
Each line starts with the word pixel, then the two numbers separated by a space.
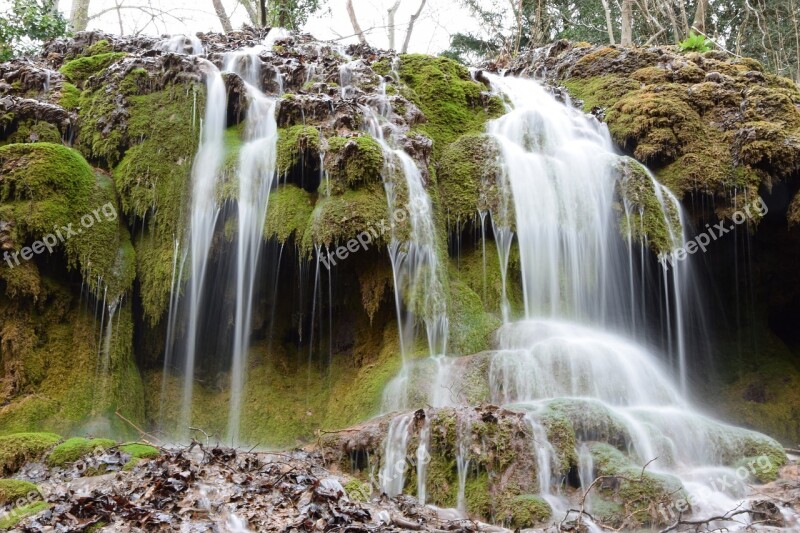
pixel 73 449
pixel 12 490
pixel 338 219
pixel 525 511
pixel 19 448
pixel 352 162
pixel 645 219
pixel 452 102
pixel 31 131
pixel 295 143
pixel 18 514
pixel 140 451
pixel 80 69
pixel 468 175
pixel 288 213
pixel 358 491
pixel 48 186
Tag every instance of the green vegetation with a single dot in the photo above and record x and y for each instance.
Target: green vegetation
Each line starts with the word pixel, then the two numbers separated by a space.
pixel 26 23
pixel 695 43
pixel 337 219
pixel 525 511
pixel 80 69
pixel 358 491
pixel 352 162
pixel 73 449
pixel 452 102
pixel 18 514
pixel 288 215
pixel 18 448
pixel 15 489
pixel 295 143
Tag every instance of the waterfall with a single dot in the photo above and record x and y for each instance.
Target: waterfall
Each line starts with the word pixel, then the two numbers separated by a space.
pixel 256 173
pixel 392 475
pixel 580 349
pixel 417 274
pixel 203 219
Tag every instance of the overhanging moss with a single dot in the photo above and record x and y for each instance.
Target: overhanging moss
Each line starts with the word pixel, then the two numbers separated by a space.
pixel 19 448
pixel 339 218
pixel 467 175
pixel 296 142
pixel 288 213
pixel 352 162
pixel 73 449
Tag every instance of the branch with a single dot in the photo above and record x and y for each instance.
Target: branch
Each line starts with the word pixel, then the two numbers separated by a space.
pixel 727 517
pixel 715 42
pixel 142 433
pixel 410 29
pixel 351 12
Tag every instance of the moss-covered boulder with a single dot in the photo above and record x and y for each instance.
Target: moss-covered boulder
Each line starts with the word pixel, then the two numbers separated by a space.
pixel 73 449
pixel 351 162
pixel 12 490
pixel 19 448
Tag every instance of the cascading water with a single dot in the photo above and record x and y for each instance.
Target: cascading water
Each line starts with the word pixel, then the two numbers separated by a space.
pixel 203 219
pixel 416 271
pixel 256 173
pixel 577 274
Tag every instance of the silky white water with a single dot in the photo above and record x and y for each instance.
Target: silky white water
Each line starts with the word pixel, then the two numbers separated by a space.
pixel 202 221
pixel 577 349
pixel 416 271
pixel 256 173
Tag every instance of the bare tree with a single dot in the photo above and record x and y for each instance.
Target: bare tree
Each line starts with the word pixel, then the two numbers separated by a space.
pixel 626 29
pixel 700 15
pixel 410 28
pixel 219 9
pixel 79 16
pixel 609 21
pixel 351 12
pixel 390 13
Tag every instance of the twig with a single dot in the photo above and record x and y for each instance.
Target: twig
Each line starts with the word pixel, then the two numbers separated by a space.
pixel 142 433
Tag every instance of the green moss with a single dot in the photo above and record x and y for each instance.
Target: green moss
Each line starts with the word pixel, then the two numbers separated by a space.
pixel 18 514
pixel 599 92
pixel 525 511
pixel 337 219
pixel 470 325
pixel 18 448
pixel 34 131
pixel 352 162
pixel 70 96
pixel 140 451
pixel 73 449
pixel 15 489
pixel 294 143
pixel 288 214
pixel 80 69
pixel 478 496
pixel 468 181
pixel 646 219
pixel 100 47
pixel 358 491
pixel 49 186
pixel 153 183
pixel 451 101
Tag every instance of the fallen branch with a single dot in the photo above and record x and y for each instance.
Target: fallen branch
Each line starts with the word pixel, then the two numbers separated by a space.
pixel 142 433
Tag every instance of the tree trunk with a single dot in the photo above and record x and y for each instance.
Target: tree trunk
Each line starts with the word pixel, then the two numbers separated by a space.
pixel 700 15
pixel 684 18
pixel 410 29
pixel 222 16
pixel 390 13
pixel 609 23
pixel 79 17
pixel 252 12
pixel 351 12
pixel 283 16
pixel 626 30
pixel 262 12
